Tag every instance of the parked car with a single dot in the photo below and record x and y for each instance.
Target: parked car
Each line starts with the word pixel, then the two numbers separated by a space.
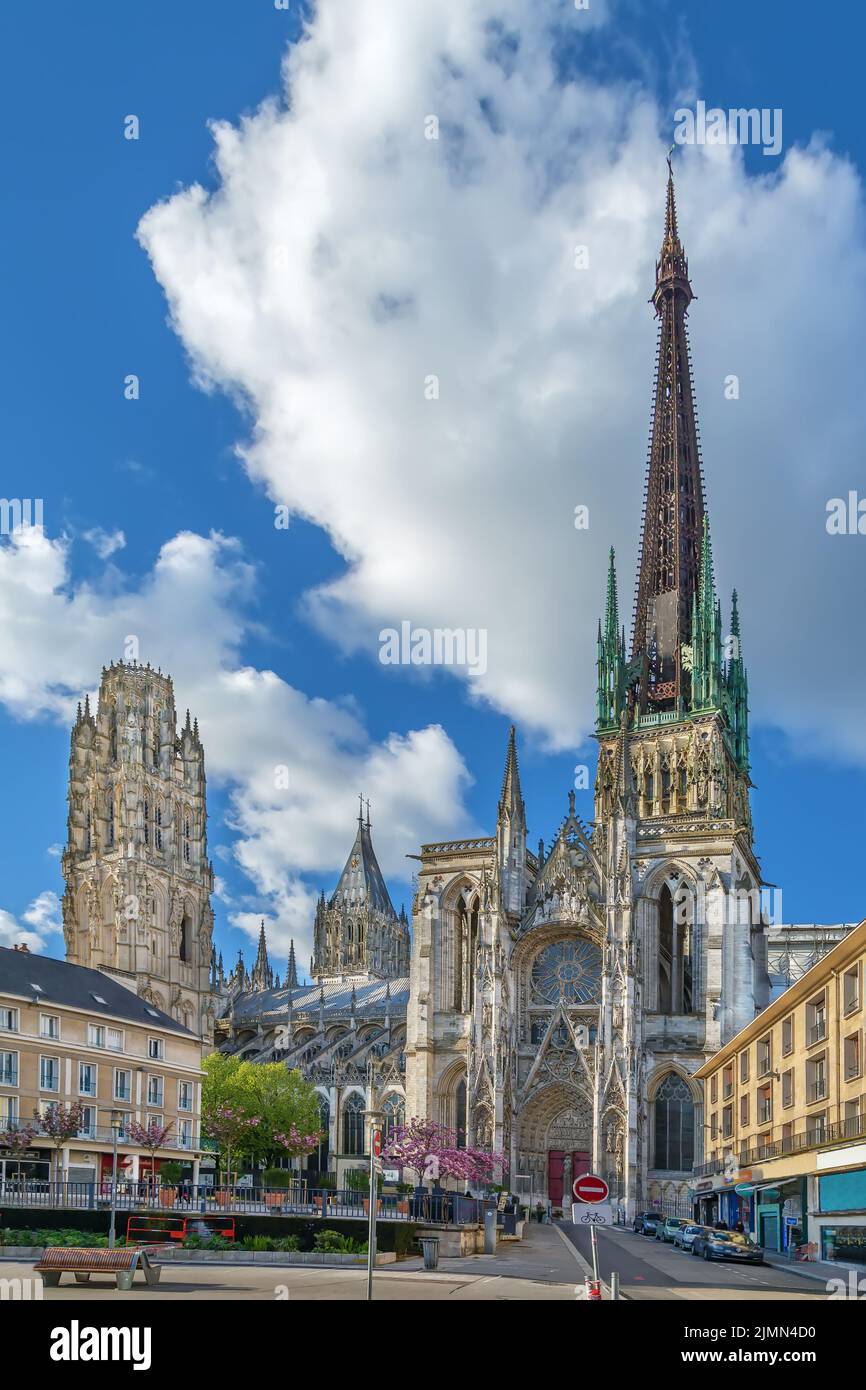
pixel 669 1227
pixel 646 1223
pixel 727 1245
pixel 685 1234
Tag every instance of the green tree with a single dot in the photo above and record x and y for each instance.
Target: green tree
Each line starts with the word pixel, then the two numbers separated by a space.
pixel 276 1112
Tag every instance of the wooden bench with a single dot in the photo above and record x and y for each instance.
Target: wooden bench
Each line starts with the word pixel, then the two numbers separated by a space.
pixel 82 1261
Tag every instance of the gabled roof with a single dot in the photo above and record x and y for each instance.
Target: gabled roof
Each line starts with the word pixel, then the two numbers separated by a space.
pixel 361 883
pixel 27 975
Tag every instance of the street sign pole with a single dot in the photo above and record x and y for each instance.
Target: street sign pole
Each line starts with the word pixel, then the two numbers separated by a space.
pixel 592 1189
pixel 375 1150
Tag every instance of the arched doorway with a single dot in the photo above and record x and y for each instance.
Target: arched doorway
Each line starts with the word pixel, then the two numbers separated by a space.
pixel 555 1140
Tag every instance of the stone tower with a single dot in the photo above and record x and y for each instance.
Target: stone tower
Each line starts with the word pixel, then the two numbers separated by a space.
pixel 685 955
pixel 138 879
pixel 357 931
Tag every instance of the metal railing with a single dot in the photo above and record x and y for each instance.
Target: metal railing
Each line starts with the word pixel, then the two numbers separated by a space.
pixel 429 1208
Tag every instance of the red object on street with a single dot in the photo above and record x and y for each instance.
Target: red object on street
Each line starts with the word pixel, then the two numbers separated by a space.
pixel 593 1290
pixel 590 1188
pixel 377 1142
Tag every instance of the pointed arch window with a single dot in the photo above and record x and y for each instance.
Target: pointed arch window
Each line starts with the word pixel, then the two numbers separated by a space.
pixel 88 837
pixel 674 954
pixel 394 1111
pixel 353 1124
pixel 146 821
pixel 111 818
pixel 157 834
pixel 460 1113
pixel 674 1113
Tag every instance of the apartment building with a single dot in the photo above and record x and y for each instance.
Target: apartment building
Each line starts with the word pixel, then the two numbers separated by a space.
pixel 785 1115
pixel 70 1035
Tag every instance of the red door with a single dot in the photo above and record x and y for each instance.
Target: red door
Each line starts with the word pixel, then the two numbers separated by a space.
pixel 555 1171
pixel 579 1164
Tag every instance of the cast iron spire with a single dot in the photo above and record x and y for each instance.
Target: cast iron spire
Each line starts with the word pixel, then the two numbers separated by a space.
pixel 674 504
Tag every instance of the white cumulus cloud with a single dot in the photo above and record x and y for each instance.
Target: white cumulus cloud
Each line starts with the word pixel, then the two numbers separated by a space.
pixel 438 384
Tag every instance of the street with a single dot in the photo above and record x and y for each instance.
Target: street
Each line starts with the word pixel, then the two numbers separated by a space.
pixel 649 1269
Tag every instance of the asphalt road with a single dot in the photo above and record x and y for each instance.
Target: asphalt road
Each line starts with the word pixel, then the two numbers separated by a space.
pixel 649 1269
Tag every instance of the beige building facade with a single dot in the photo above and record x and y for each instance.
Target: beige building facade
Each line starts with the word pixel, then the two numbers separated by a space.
pixel 785 1108
pixel 70 1035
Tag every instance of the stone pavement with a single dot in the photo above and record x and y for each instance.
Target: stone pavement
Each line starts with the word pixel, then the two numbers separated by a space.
pixel 541 1267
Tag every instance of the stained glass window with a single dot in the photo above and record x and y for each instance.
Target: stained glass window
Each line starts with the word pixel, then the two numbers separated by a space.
pixel 674 1126
pixel 568 969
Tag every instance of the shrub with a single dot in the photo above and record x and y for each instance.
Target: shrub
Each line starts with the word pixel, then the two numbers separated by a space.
pixel 287 1243
pixel 278 1177
pixel 335 1243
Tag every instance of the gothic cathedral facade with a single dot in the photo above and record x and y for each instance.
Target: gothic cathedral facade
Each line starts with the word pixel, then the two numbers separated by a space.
pixel 561 1001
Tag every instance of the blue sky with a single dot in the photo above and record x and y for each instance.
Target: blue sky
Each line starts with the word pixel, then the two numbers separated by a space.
pixel 84 305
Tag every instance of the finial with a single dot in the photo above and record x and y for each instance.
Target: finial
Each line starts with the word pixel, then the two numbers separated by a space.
pixel 368 813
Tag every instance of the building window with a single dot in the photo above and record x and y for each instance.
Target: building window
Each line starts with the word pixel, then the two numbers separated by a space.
pixel 184 1134
pixel 154 1090
pixel 110 819
pixel 788 1087
pixel 728 1081
pixel 816 1019
pixel 119 1120
pixel 765 1055
pixel 714 1087
pixel 852 1056
pixel 9 1020
pixel 674 1126
pixel 394 1112
pixel 155 1049
pixel 8 1111
pixel 727 1121
pixel 114 1039
pixel 744 1066
pixel 49 1026
pixel 184 1095
pixel 460 1113
pixel 88 1122
pixel 788 1036
pixel 8 1068
pixel 49 1074
pixel 123 1085
pixel 675 958
pixel 353 1124
pixel 86 1079
pixel 95 1035
pixel 816 1078
pixel 744 1110
pixel 319 1158
pixel 157 835
pixel 765 1105
pixel 851 989
pixel 816 1127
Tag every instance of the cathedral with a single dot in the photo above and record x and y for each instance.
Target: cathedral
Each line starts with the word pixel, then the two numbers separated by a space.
pixel 554 1004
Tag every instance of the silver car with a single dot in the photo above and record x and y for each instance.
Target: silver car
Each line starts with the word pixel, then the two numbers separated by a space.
pixel 686 1233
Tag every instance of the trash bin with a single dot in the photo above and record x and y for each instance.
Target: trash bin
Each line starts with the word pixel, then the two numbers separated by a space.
pixel 430 1251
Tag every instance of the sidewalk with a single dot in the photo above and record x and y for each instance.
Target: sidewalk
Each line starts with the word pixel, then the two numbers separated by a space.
pixel 542 1256
pixel 821 1270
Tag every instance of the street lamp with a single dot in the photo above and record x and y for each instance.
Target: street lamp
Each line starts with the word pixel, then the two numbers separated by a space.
pixel 375 1120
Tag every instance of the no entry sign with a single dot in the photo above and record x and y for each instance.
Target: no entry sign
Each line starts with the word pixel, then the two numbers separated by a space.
pixel 590 1188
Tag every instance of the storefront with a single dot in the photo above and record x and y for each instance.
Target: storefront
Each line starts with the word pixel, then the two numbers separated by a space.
pixel 840 1217
pixel 33 1165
